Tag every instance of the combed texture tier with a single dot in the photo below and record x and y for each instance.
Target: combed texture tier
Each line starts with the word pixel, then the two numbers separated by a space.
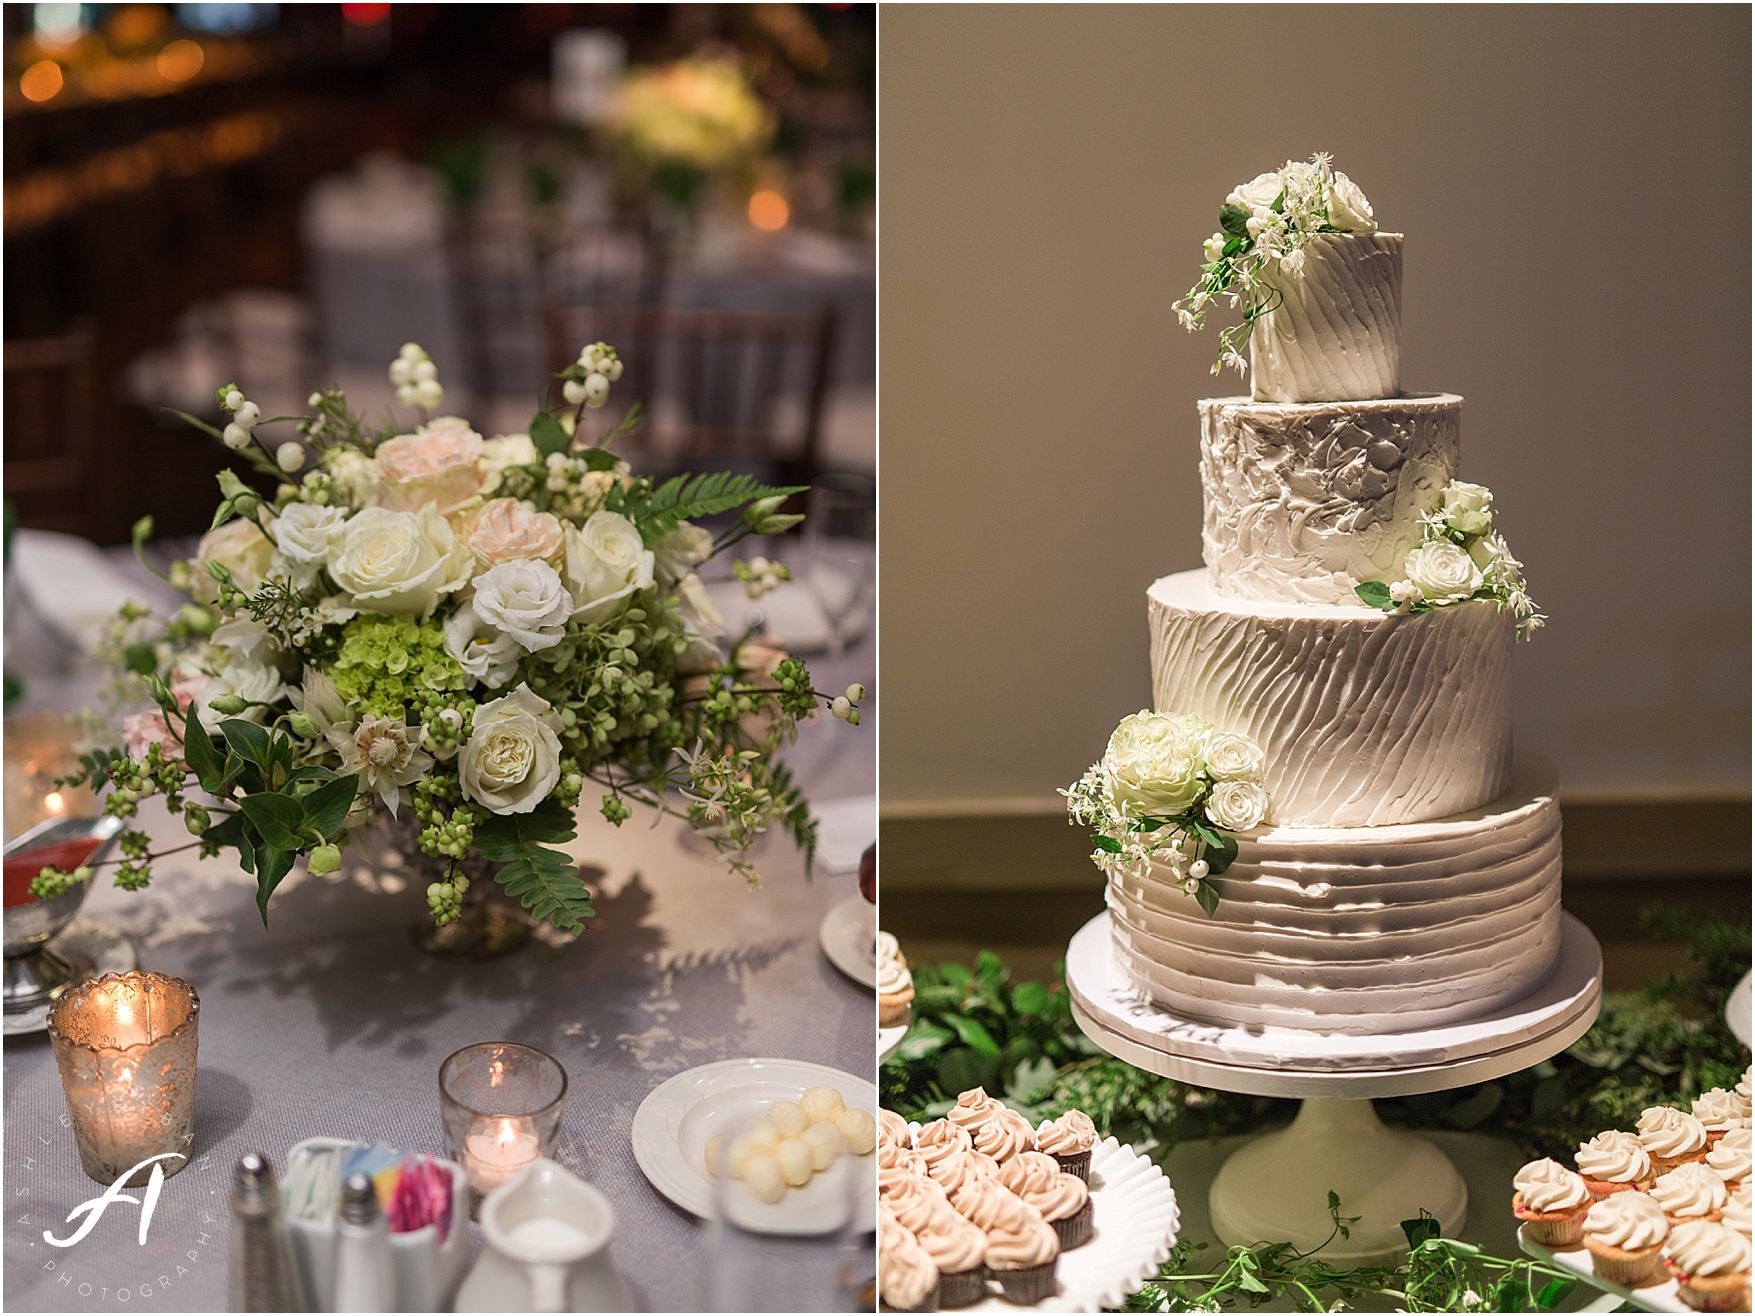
pixel 1365 719
pixel 1304 502
pixel 1359 931
pixel 1336 332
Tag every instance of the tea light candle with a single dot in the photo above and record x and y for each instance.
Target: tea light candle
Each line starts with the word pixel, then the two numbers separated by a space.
pixel 496 1149
pixel 125 1045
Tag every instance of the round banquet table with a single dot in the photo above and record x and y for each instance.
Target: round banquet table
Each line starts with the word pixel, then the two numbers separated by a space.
pixel 331 1022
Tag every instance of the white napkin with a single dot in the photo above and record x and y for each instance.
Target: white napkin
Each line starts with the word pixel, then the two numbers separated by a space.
pixel 72 586
pixel 790 612
pixel 845 828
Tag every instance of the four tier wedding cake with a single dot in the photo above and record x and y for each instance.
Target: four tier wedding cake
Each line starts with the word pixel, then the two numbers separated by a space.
pixel 1321 824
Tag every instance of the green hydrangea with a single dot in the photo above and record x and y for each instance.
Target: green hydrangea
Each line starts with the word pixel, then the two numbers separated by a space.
pixel 394 667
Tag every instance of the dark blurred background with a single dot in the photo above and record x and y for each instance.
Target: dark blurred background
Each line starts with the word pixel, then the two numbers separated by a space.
pixel 280 195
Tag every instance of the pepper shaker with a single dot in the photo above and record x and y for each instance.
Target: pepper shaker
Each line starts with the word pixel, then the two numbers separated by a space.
pixel 263 1275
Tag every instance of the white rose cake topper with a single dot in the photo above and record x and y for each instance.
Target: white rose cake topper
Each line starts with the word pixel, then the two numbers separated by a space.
pixel 1170 792
pixel 472 631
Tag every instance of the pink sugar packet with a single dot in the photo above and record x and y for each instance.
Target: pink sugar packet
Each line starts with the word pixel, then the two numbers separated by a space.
pixel 422 1197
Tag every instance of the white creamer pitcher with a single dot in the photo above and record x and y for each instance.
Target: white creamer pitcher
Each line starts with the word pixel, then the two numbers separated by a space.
pixel 547 1235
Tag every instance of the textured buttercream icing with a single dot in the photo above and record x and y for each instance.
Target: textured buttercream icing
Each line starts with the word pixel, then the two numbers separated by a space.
pixel 1704 1248
pixel 1364 719
pixel 1670 1134
pixel 1336 333
pixel 1719 1111
pixel 1613 1157
pixel 1069 1135
pixel 1304 502
pixel 1629 1221
pixel 1730 1158
pixel 907 1276
pixel 1689 1190
pixel 1358 930
pixel 1547 1185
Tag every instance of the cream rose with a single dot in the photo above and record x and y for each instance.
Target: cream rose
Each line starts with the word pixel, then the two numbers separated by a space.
pixel 1468 507
pixel 490 656
pixel 1347 207
pixel 399 563
pixel 513 758
pixel 1231 757
pixel 525 600
pixel 702 626
pixel 1258 191
pixel 306 534
pixel 606 562
pixel 1237 805
pixel 505 450
pixel 507 530
pixel 436 464
pixel 241 549
pixel 682 550
pixel 1442 572
pixel 1154 760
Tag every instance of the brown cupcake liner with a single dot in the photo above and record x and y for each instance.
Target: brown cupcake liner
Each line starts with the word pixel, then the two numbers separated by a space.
pixel 1029 1286
pixel 1079 1164
pixel 963 1289
pixel 1075 1230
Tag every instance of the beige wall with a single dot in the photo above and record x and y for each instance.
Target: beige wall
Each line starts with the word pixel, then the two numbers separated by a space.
pixel 1574 184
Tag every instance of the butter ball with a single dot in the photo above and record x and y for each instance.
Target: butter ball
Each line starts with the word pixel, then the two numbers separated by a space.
pixel 739 1154
pixel 716 1153
pixel 795 1159
pixel 822 1105
pixel 826 1142
pixel 859 1129
pixel 764 1177
pixel 788 1117
pixel 762 1134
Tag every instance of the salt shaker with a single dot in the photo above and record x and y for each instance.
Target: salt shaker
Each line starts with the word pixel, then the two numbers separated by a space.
pixel 263 1276
pixel 365 1276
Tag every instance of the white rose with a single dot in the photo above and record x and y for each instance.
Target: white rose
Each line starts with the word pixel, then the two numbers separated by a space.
pixel 399 563
pixel 250 639
pixel 353 474
pixel 481 651
pixel 1259 191
pixel 501 451
pixel 1237 805
pixel 526 600
pixel 1348 209
pixel 682 550
pixel 307 534
pixel 1468 507
pixel 1231 757
pixel 1442 571
pixel 702 625
pixel 1154 760
pixel 513 758
pixel 606 562
pixel 252 681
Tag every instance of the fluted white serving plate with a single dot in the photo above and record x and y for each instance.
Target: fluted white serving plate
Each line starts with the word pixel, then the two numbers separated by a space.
pixel 848 936
pixel 1134 1224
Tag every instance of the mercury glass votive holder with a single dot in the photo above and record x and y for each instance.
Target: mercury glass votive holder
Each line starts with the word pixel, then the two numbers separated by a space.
pixel 501 1105
pixel 125 1045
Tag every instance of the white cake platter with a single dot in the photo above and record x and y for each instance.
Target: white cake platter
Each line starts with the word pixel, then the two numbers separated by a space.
pixel 1653 1297
pixel 673 1123
pixel 1276 1186
pixel 848 936
pixel 1737 1010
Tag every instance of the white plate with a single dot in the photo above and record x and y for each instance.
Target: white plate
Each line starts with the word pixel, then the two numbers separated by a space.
pixel 1737 1010
pixel 889 1039
pixel 673 1123
pixel 1134 1223
pixel 1654 1297
pixel 848 934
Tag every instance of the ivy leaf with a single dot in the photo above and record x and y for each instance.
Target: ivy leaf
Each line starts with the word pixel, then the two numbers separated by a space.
pixel 1208 895
pixel 1220 854
pixel 272 864
pixel 597 459
pixel 279 818
pixel 228 831
pixel 1553 1294
pixel 247 739
pixel 548 434
pixel 973 1035
pixel 1030 998
pixel 198 752
pixel 1234 220
pixel 545 881
pixel 1031 1079
pixel 326 807
pixel 1374 594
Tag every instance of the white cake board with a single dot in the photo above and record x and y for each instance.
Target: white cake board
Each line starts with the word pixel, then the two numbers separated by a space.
pixel 1276 1187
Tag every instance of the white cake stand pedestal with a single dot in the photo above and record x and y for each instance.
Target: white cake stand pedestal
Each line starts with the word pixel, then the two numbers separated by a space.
pixel 1276 1187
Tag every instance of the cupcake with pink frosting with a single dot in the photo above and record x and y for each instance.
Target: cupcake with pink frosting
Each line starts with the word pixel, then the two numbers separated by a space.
pixel 958 1247
pixel 1004 1136
pixel 1063 1199
pixel 907 1277
pixel 892 1128
pixel 1710 1265
pixel 1069 1140
pixel 1614 1162
pixel 1551 1202
pixel 1022 1252
pixel 973 1109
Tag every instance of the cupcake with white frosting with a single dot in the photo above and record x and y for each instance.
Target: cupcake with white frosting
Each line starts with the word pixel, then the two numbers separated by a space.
pixel 1710 1264
pixel 1719 1112
pixel 907 1276
pixel 1736 1209
pixel 895 985
pixel 1689 1192
pixel 1614 1162
pixel 1551 1202
pixel 1624 1235
pixel 1671 1137
pixel 1729 1157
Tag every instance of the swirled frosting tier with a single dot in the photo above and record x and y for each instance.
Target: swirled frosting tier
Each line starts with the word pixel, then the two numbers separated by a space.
pixel 1304 502
pixel 1365 719
pixel 1336 333
pixel 1359 930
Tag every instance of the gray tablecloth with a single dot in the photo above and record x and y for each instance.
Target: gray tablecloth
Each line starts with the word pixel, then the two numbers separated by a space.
pixel 330 1021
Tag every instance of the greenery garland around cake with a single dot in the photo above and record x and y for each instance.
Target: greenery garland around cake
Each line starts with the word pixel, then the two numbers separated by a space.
pixel 1461 558
pixel 1170 791
pixel 1264 226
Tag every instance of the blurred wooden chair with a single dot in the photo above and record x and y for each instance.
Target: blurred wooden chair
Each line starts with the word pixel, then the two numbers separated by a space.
pixel 738 390
pixel 50 464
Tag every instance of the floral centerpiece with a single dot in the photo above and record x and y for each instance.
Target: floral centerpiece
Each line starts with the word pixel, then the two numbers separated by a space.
pixel 1170 791
pixel 467 632
pixel 682 123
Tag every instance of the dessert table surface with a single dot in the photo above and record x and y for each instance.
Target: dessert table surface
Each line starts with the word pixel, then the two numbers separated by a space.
pixel 330 1021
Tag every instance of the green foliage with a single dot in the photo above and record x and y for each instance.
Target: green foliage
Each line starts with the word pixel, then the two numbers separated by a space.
pixel 390 667
pixel 683 497
pixel 1374 594
pixel 548 434
pixel 546 881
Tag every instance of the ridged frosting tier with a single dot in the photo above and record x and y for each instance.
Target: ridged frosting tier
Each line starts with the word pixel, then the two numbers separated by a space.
pixel 1359 931
pixel 1336 333
pixel 1364 719
pixel 1305 501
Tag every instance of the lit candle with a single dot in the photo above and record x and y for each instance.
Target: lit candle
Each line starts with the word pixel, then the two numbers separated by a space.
pixel 497 1148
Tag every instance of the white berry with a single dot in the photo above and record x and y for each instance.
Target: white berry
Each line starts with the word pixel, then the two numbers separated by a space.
pixel 573 391
pixel 236 437
pixel 289 456
pixel 247 414
pixel 596 390
pixel 429 393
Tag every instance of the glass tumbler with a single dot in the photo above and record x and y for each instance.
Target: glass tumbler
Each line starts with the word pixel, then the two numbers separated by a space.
pixel 501 1105
pixel 125 1044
